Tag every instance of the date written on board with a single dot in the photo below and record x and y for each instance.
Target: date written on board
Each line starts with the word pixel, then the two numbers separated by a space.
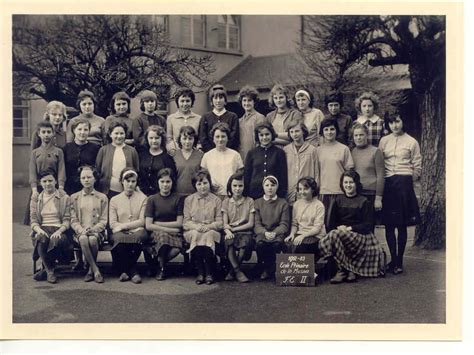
pixel 295 270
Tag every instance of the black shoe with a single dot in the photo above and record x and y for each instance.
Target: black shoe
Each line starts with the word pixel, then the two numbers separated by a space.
pixel 200 279
pixel 40 275
pixel 160 276
pixel 209 280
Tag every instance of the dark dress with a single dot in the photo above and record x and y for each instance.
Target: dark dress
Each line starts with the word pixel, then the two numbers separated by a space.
pixel 75 156
pixel 208 120
pixel 150 165
pixel 164 209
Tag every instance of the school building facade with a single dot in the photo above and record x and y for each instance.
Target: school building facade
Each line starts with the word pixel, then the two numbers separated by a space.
pixel 247 49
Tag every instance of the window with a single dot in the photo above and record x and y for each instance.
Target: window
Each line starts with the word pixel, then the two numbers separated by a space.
pixel 228 32
pixel 192 31
pixel 21 117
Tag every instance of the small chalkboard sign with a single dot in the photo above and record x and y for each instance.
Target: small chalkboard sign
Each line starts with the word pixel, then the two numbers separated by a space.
pixel 295 270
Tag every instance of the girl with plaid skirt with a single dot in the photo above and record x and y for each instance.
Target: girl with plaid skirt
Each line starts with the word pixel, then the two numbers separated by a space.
pixel 351 242
pixel 239 217
pixel 164 219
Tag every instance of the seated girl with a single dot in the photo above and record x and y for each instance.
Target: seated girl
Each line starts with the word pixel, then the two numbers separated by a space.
pixel 127 221
pixel 307 225
pixel 50 219
pixel 351 242
pixel 239 218
pixel 272 220
pixel 88 220
pixel 202 225
pixel 164 220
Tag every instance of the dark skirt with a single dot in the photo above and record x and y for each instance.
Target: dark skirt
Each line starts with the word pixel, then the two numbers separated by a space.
pixel 62 246
pixel 399 203
pixel 278 239
pixel 377 214
pixel 137 237
pixel 308 243
pixel 328 201
pixel 160 239
pixel 241 240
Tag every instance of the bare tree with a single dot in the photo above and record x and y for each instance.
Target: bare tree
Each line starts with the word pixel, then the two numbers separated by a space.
pixel 54 57
pixel 336 47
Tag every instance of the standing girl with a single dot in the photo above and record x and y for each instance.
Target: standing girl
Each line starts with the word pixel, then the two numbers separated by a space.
pixel 56 114
pixel 78 152
pixel 86 103
pixel 312 117
pixel 248 97
pixel 272 221
pixel 147 118
pixel 119 107
pixel 184 99
pixel 369 164
pixel 301 157
pixel 89 210
pixel 266 159
pixel 202 225
pixel 164 220
pixel 307 225
pixel 351 242
pixel 239 218
pixel 218 99
pixel 153 157
pixel 113 158
pixel 366 104
pixel 399 204
pixel 187 160
pixel 334 102
pixel 334 158
pixel 127 221
pixel 221 162
pixel 283 114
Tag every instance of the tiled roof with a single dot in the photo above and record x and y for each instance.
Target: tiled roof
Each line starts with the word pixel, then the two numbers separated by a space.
pixel 264 72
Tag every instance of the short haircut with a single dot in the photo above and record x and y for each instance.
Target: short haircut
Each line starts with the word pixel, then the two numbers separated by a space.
pixel 44 124
pixel 250 92
pixel 238 175
pixel 127 172
pixel 160 131
pixel 264 125
pixel 217 90
pixel 186 131
pixel 391 115
pixel 368 95
pixel 334 96
pixel 310 182
pixel 53 105
pixel 278 88
pixel 311 96
pixel 90 167
pixel 147 95
pixel 185 92
pixel 77 122
pixel 220 126
pixel 200 175
pixel 327 122
pixel 167 172
pixel 121 95
pixel 354 176
pixel 358 125
pixel 114 125
pixel 84 94
pixel 303 128
pixel 47 172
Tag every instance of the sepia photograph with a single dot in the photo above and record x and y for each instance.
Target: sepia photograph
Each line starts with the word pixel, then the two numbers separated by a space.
pixel 176 169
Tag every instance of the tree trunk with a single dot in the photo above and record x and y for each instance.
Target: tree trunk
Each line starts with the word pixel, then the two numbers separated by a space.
pixel 431 233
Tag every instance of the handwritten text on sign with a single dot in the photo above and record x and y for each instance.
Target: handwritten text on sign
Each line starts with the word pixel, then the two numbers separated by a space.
pixel 295 270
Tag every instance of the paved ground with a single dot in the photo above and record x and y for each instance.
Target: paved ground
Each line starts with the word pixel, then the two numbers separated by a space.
pixel 417 296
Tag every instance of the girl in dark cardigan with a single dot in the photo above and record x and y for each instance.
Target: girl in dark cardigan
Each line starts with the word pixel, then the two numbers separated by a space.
pixel 266 159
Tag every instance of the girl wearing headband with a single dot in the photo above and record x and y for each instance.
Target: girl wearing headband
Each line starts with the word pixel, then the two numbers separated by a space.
pixel 312 117
pixel 127 221
pixel 272 223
